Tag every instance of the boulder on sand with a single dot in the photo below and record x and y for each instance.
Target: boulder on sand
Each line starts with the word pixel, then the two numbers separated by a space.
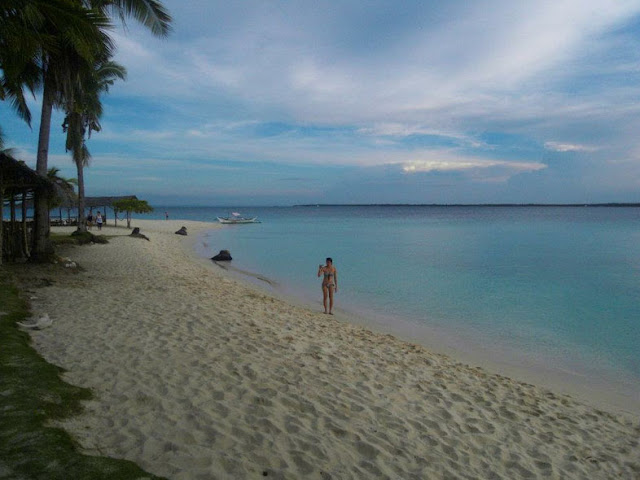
pixel 136 233
pixel 182 231
pixel 223 256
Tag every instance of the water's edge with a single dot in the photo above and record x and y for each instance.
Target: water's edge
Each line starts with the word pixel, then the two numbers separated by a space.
pixel 597 390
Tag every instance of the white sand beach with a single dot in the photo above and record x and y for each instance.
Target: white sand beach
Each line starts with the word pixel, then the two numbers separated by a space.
pixel 199 376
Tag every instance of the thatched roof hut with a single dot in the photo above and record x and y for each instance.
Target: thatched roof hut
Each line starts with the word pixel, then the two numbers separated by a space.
pixel 18 183
pixel 16 178
pixel 99 203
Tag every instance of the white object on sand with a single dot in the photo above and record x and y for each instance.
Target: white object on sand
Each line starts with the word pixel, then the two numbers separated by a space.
pixel 42 322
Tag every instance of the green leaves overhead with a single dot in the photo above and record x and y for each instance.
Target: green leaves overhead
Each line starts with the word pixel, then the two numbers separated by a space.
pixel 44 40
pixel 150 13
pixel 132 205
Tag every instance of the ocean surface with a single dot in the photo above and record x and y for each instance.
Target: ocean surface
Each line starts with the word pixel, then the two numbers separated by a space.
pixel 554 290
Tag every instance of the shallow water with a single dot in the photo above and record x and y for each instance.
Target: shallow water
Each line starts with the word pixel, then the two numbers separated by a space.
pixel 557 287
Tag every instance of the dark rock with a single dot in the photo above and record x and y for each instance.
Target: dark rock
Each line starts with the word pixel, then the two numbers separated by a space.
pixel 223 256
pixel 136 233
pixel 182 231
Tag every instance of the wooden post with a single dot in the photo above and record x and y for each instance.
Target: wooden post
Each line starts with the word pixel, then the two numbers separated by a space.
pixel 25 236
pixel 11 243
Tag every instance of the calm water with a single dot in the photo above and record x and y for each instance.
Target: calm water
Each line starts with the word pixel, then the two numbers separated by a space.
pixel 554 286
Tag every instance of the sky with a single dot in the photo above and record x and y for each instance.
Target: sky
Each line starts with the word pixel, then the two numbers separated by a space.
pixel 304 102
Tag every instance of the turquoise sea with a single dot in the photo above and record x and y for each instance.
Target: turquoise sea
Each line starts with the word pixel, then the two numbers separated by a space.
pixel 549 290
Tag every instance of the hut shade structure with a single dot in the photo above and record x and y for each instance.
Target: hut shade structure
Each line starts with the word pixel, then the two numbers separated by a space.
pixel 18 184
pixel 101 203
pixel 92 204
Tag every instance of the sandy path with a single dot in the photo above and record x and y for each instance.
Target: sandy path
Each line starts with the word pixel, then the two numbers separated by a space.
pixel 198 376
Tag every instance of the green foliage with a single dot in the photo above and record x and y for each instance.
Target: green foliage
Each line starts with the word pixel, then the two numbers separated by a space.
pixel 32 394
pixel 63 187
pixel 132 205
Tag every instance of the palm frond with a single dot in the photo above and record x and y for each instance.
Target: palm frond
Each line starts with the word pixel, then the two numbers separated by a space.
pixel 150 13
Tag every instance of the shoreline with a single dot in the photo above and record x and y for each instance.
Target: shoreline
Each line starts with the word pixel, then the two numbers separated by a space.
pixel 579 382
pixel 197 374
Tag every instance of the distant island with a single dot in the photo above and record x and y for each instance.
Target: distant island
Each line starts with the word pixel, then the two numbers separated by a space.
pixel 469 205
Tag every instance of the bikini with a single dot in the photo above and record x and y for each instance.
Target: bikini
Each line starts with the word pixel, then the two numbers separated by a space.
pixel 327 278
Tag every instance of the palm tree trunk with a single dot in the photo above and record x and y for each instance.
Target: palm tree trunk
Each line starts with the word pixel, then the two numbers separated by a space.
pixel 82 221
pixel 42 250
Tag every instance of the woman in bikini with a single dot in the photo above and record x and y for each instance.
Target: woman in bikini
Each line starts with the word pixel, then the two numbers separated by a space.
pixel 329 283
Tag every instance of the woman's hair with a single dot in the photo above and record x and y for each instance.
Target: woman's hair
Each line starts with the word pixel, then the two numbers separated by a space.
pixel 329 259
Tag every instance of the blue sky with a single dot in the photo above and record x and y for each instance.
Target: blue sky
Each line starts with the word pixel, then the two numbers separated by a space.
pixel 280 103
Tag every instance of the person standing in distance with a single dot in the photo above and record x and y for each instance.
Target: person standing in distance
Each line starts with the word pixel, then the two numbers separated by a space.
pixel 329 275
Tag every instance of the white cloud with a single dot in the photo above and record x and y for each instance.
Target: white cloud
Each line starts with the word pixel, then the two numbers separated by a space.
pixel 568 147
pixel 463 164
pixel 458 71
pixel 472 47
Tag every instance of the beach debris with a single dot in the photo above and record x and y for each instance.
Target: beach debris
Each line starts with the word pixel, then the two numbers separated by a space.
pixel 68 263
pixel 182 231
pixel 223 256
pixel 136 233
pixel 42 322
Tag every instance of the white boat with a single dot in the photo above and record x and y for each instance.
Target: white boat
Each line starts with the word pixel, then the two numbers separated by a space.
pixel 235 218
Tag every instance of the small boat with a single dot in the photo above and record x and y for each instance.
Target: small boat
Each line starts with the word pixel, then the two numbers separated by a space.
pixel 235 218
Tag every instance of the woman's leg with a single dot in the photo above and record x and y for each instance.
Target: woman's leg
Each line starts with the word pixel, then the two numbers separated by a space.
pixel 330 300
pixel 325 292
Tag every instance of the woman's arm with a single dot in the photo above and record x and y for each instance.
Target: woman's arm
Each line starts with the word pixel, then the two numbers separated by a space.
pixel 320 269
pixel 335 278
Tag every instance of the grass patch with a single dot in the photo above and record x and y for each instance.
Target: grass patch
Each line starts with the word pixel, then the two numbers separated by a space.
pixel 31 393
pixel 77 238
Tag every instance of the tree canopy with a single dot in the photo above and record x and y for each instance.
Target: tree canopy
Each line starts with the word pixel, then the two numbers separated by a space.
pixel 63 49
pixel 131 205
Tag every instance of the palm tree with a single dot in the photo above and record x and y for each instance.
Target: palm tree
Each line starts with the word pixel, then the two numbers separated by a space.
pixel 37 37
pixel 63 187
pixel 150 13
pixel 46 43
pixel 84 110
pixel 32 32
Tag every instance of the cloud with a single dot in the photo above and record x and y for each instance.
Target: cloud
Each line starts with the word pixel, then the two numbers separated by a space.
pixel 460 165
pixel 403 130
pixel 568 147
pixel 309 59
pixel 462 90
